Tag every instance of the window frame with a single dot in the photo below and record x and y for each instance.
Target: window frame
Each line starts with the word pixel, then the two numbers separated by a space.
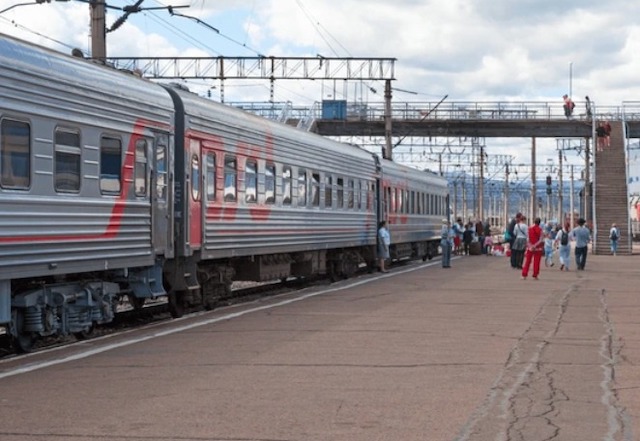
pixel 302 188
pixel 141 167
pixel 7 158
pixel 230 172
pixel 270 183
pixel 103 179
pixel 59 147
pixel 251 188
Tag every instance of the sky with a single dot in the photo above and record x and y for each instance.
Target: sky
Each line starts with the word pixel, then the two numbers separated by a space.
pixel 466 50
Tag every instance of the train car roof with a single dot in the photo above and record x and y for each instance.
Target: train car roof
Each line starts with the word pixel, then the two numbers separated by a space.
pixel 393 169
pixel 78 74
pixel 203 108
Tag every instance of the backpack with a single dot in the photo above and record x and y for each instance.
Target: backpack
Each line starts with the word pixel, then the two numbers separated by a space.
pixel 573 105
pixel 614 235
pixel 564 240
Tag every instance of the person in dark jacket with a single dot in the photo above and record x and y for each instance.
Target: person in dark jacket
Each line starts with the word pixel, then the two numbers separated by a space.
pixel 467 238
pixel 512 238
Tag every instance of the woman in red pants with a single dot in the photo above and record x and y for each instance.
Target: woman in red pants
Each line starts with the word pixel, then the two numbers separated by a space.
pixel 535 250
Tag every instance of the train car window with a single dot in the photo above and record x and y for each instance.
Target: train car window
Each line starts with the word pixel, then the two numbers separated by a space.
pixel 432 208
pixel 371 196
pixel 302 188
pixel 395 203
pixel 66 173
pixel 315 189
pixel 328 191
pixel 195 178
pixel 286 186
pixel 230 179
pixel 210 177
pixel 15 154
pixel 359 196
pixel 419 203
pixel 251 182
pixel 413 202
pixel 387 201
pixel 270 184
pixel 110 165
pixel 140 170
pixel 340 193
pixel 161 169
pixel 350 191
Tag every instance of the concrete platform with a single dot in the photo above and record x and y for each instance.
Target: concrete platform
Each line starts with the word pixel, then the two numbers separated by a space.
pixel 421 353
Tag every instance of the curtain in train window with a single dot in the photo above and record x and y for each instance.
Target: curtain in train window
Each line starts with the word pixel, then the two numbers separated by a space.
pixel 270 184
pixel 286 186
pixel 302 187
pixel 15 154
pixel 110 165
pixel 140 169
pixel 195 178
pixel 211 176
pixel 66 172
pixel 315 189
pixel 251 182
pixel 340 193
pixel 161 168
pixel 328 191
pixel 230 179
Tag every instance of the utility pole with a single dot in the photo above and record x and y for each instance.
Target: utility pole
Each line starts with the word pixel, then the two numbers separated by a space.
pixel 571 201
pixel 388 153
pixel 481 186
pixel 560 189
pixel 506 197
pixel 98 30
pixel 587 178
pixel 534 197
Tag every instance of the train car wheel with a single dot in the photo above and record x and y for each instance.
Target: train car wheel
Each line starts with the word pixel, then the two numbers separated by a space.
pixel 24 342
pixel 333 271
pixel 83 335
pixel 176 304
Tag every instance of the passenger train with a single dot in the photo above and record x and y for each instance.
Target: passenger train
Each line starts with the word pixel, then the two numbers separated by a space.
pixel 114 187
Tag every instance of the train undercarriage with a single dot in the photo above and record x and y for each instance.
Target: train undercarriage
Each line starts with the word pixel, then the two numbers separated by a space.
pixel 75 304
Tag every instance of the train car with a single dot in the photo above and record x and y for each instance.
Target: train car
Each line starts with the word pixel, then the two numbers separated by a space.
pixel 85 193
pixel 262 201
pixel 414 203
pixel 114 187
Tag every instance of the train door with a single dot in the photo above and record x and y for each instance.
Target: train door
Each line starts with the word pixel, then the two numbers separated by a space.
pixel 161 202
pixel 195 205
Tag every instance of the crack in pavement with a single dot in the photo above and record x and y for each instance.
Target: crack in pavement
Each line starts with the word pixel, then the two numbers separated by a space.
pixel 534 397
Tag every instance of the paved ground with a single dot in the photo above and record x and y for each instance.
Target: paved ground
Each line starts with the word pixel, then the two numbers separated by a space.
pixel 467 353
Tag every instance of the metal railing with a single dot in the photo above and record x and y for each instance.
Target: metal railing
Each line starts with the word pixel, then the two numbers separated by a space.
pixel 471 110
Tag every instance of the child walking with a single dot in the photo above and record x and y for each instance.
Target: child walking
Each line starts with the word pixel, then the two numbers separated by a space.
pixel 548 249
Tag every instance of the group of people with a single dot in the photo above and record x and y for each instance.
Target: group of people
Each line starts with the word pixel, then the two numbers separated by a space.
pixel 603 134
pixel 456 239
pixel 569 105
pixel 528 243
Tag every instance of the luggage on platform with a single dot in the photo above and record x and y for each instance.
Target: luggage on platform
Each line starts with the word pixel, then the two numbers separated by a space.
pixel 475 249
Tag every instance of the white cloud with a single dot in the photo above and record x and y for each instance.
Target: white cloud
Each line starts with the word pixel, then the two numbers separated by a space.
pixel 467 49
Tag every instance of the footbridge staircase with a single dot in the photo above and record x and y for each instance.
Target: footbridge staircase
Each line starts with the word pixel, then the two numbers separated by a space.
pixel 610 192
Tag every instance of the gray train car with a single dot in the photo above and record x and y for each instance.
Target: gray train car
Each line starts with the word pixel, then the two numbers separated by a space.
pixel 84 155
pixel 112 186
pixel 413 203
pixel 265 201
